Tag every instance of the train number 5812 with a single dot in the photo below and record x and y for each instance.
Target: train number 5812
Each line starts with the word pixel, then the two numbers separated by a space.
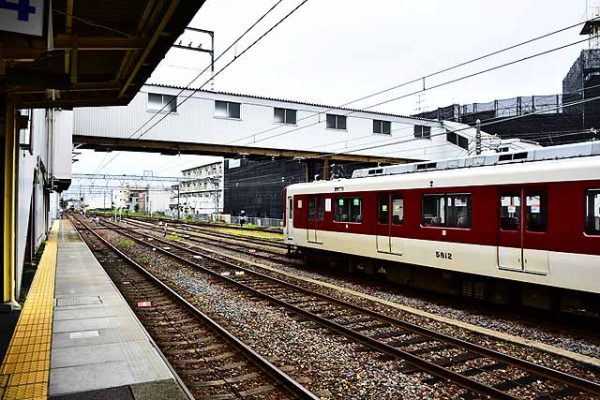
pixel 443 254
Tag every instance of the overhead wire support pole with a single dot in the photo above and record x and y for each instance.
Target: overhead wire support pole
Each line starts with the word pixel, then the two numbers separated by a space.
pixel 200 49
pixel 212 45
pixel 188 86
pixel 478 137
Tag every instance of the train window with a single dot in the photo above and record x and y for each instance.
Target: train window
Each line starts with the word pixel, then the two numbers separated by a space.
pixel 592 212
pixel 397 210
pixel 312 205
pixel 510 212
pixel 341 207
pixel 348 209
pixel 384 213
pixel 450 210
pixel 536 209
pixel 320 208
pixel 291 207
pixel 356 209
pixel 434 210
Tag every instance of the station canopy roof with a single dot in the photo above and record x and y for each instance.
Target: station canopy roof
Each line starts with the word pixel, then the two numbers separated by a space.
pixel 89 52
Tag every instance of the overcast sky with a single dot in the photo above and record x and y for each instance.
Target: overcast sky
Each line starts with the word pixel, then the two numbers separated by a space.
pixel 335 51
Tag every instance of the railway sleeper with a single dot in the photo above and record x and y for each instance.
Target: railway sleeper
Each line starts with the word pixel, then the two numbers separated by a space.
pixel 503 293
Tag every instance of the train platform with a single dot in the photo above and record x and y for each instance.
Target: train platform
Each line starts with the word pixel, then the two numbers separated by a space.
pixel 77 338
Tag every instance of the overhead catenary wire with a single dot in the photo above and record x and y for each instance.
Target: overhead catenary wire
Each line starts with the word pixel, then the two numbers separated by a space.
pixel 231 46
pixel 430 75
pixel 388 139
pixel 488 122
pixel 452 81
pixel 364 97
pixel 193 91
pixel 299 176
pixel 445 83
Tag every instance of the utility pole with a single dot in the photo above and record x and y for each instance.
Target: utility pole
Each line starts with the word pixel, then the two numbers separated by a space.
pixel 200 49
pixel 178 211
pixel 478 137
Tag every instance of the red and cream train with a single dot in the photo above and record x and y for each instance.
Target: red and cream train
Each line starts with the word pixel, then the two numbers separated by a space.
pixel 484 225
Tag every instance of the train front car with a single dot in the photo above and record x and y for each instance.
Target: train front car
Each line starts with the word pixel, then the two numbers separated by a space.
pixel 486 226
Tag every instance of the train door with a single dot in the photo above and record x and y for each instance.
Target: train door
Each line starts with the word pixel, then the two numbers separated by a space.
pixel 390 209
pixel 290 217
pixel 522 230
pixel 315 215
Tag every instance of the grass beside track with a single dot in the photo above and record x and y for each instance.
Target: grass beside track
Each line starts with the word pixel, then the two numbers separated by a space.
pixel 252 233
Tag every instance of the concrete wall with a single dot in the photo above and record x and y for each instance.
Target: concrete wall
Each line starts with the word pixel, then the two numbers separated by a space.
pixel 45 161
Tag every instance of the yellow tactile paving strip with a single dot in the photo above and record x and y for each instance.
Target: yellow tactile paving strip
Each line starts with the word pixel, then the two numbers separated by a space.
pixel 26 367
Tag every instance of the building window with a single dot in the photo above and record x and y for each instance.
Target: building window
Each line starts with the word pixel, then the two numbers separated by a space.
pixel 536 212
pixel 458 140
pixel 158 101
pixel 348 209
pixel 384 127
pixel 422 132
pixel 227 109
pixel 592 212
pixel 285 116
pixel 450 210
pixel 336 121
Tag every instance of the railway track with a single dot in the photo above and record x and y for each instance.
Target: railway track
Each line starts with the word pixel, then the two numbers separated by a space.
pixel 478 369
pixel 206 225
pixel 210 230
pixel 212 363
pixel 241 245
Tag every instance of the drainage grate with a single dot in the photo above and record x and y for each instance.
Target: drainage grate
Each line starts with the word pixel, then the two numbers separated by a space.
pixel 77 301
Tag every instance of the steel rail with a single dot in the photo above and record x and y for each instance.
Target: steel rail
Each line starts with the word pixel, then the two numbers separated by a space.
pixel 539 370
pixel 221 244
pixel 266 366
pixel 415 361
pixel 201 225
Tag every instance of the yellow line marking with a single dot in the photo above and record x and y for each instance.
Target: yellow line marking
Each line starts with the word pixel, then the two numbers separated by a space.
pixel 25 371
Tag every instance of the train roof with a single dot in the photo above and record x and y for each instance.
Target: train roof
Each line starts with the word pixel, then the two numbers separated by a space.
pixel 561 163
pixel 546 153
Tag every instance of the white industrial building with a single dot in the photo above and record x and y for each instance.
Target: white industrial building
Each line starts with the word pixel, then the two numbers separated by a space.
pixel 226 123
pixel 201 193
pixel 145 200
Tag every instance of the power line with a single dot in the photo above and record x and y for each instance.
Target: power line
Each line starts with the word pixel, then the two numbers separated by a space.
pixel 232 45
pixel 448 82
pixel 423 78
pixel 501 119
pixel 488 122
pixel 261 18
pixel 445 83
pixel 229 63
pixel 194 91
pixel 405 83
pixel 484 123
